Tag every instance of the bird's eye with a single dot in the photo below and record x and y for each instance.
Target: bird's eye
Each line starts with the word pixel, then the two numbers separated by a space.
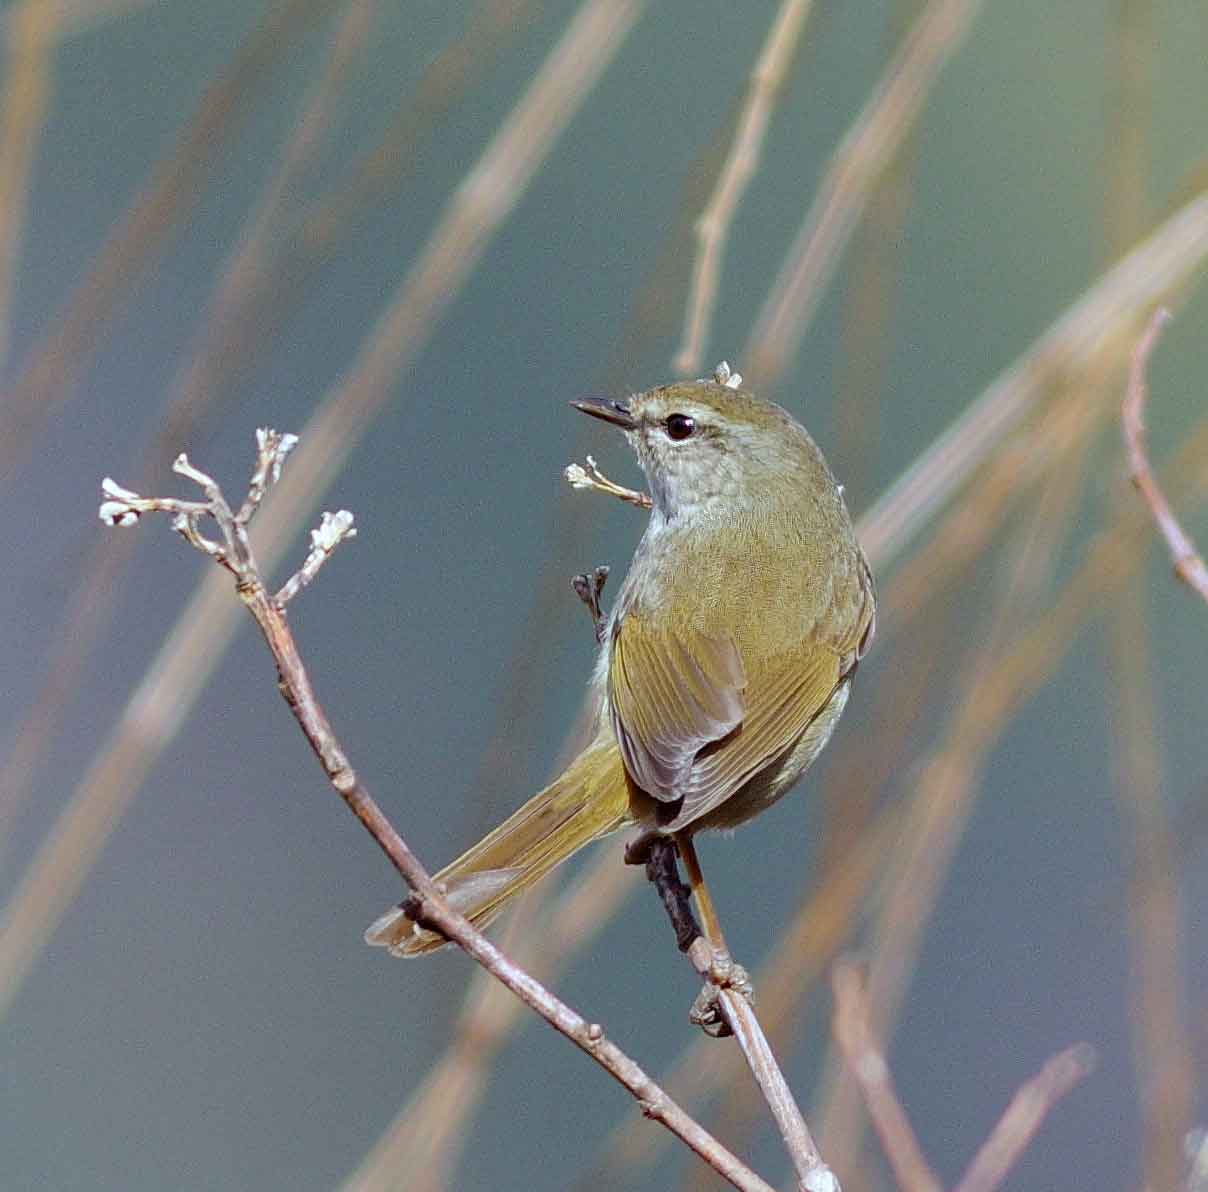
pixel 680 427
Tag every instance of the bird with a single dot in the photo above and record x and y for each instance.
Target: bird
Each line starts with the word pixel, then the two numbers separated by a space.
pixel 725 661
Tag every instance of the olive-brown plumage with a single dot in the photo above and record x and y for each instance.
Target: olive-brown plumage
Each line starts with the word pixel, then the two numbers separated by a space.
pixel 727 657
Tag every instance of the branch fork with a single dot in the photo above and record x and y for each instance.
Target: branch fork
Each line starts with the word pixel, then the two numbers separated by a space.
pixel 232 550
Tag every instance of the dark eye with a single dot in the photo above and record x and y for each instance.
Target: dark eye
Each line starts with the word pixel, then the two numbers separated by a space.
pixel 679 427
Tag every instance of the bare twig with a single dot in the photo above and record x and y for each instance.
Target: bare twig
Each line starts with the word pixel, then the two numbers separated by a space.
pixel 589 476
pixel 713 226
pixel 867 1063
pixel 1188 563
pixel 855 168
pixel 812 1173
pixel 427 902
pixel 1023 1117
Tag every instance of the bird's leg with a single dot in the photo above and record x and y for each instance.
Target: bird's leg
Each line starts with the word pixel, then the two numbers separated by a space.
pixel 706 950
pixel 588 588
pixel 657 853
pixel 709 954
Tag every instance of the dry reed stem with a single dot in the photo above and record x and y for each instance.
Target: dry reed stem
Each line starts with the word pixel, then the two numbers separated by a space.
pixel 54 364
pixel 71 17
pixel 855 169
pixel 1046 446
pixel 1162 1052
pixel 996 684
pixel 713 226
pixel 164 697
pixel 867 1064
pixel 867 320
pixel 445 80
pixel 427 902
pixel 274 280
pixel 1007 1141
pixel 605 883
pixel 1090 326
pixel 1023 1117
pixel 915 885
pixel 91 605
pixel 1156 269
pixel 230 322
pixel 1188 563
pixel 1163 1056
pixel 31 31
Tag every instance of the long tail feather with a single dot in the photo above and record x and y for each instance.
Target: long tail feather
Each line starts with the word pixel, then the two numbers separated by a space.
pixel 589 800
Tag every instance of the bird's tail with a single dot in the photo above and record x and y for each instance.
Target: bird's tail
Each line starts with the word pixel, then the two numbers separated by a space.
pixel 589 800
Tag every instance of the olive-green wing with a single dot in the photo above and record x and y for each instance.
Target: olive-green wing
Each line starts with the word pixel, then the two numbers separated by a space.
pixel 671 697
pixel 691 728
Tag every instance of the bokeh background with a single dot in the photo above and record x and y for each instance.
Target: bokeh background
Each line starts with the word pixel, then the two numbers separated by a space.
pixel 224 215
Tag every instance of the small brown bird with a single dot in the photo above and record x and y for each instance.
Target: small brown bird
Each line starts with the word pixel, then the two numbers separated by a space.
pixel 726 660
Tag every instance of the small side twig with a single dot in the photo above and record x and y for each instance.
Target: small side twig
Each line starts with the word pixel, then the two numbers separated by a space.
pixel 589 476
pixel 1188 562
pixel 123 508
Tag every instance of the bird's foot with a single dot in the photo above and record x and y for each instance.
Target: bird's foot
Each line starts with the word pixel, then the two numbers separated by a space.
pixel 720 973
pixel 588 587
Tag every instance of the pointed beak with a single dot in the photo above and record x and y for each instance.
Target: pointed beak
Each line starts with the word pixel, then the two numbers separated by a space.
pixel 609 411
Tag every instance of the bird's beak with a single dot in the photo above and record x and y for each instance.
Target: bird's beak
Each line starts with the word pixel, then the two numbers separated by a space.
pixel 609 411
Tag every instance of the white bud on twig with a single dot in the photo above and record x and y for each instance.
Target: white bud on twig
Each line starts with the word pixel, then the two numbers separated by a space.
pixel 723 376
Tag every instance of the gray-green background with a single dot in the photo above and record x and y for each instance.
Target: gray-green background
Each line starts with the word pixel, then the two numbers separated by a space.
pixel 207 1016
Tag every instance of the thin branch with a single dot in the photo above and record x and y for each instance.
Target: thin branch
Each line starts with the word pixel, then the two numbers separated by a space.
pixel 813 1174
pixel 435 1121
pixel 159 705
pixel 1023 1117
pixel 589 476
pixel 713 226
pixel 854 171
pixel 866 1062
pixel 799 960
pixel 1188 563
pixel 427 902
